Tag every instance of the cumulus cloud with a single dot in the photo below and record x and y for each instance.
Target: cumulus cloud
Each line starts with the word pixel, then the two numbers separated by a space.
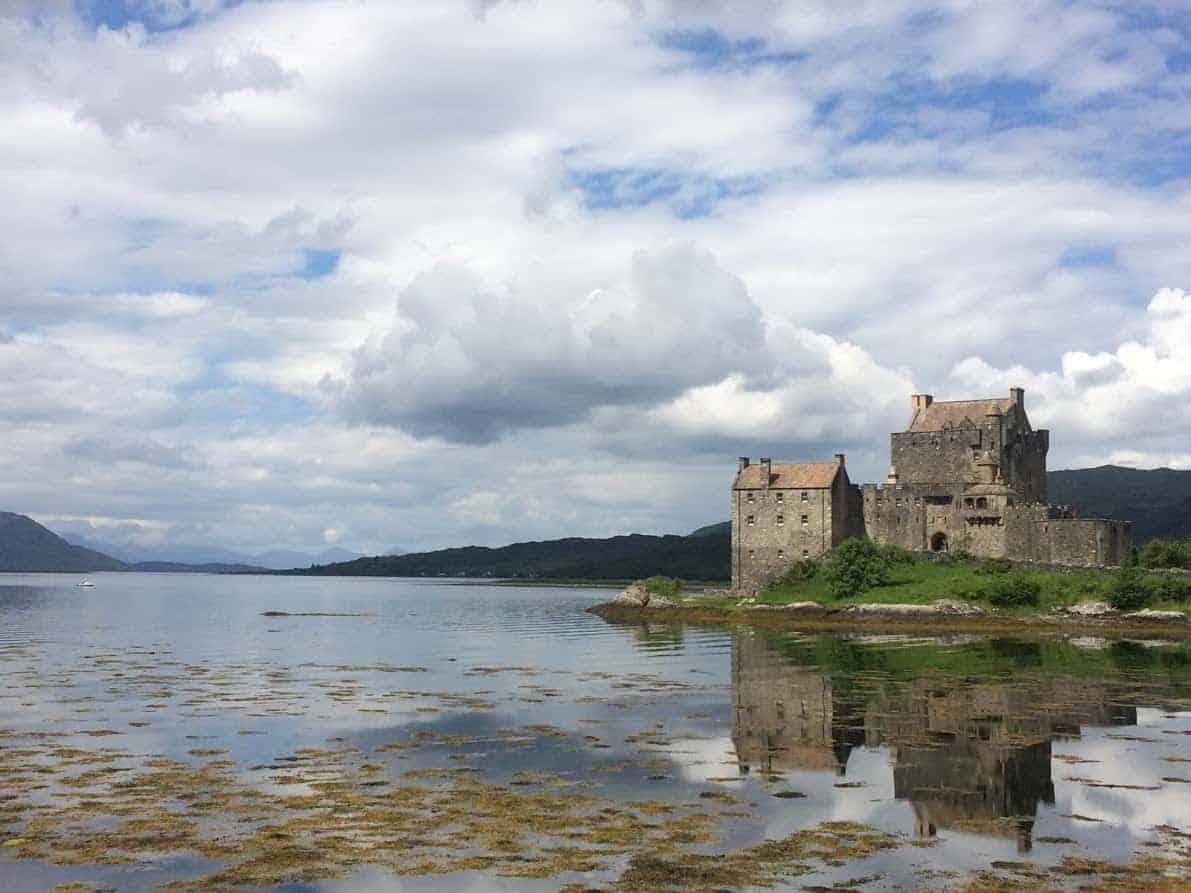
pixel 1132 401
pixel 339 277
pixel 467 364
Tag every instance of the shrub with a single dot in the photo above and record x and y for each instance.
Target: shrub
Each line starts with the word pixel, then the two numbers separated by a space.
pixel 1174 588
pixel 856 566
pixel 892 554
pixel 1166 553
pixel 1011 590
pixel 669 587
pixel 995 566
pixel 957 556
pixel 803 569
pixel 1128 590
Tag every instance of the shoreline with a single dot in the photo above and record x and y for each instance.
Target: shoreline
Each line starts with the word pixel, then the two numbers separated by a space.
pixel 876 617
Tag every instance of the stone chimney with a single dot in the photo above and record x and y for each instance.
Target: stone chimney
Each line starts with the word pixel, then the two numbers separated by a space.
pixel 766 471
pixel 1018 396
pixel 921 401
pixel 839 459
pixel 742 463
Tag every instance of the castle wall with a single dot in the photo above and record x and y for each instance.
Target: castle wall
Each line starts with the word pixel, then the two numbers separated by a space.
pixel 933 457
pixel 973 485
pixel 773 528
pixel 1024 462
pixel 1085 541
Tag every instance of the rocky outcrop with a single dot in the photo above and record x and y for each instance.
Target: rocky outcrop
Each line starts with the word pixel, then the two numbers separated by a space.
pixel 1090 609
pixel 944 607
pixel 639 597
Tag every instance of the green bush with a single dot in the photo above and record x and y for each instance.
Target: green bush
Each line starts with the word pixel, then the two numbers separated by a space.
pixel 803 569
pixel 995 566
pixel 1174 587
pixel 892 554
pixel 1166 553
pixel 856 566
pixel 1128 590
pixel 1011 590
pixel 956 556
pixel 669 587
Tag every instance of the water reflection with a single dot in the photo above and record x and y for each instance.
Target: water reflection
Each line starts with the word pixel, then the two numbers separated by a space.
pixel 965 752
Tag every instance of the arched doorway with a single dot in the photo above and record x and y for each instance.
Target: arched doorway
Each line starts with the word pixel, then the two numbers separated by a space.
pixel 938 542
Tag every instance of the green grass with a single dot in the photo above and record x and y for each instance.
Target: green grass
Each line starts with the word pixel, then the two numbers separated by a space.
pixel 923 581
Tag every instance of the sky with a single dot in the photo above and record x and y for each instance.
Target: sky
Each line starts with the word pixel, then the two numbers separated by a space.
pixel 312 273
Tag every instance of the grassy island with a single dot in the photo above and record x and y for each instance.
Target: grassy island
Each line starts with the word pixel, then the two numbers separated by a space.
pixel 861 572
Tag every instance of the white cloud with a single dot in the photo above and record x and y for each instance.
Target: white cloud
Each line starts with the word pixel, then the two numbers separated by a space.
pixel 882 200
pixel 676 321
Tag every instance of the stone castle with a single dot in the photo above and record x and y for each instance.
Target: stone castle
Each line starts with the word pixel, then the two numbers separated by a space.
pixel 964 475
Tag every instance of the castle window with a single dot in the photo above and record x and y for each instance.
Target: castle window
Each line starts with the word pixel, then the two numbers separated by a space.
pixel 806 553
pixel 749 498
pixel 981 503
pixel 805 496
pixel 969 503
pixel 781 497
pixel 749 521
pixel 781 553
pixel 805 520
pixel 780 520
pixel 752 554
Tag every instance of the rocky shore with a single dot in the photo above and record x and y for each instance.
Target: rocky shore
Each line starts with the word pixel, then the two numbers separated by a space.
pixel 637 602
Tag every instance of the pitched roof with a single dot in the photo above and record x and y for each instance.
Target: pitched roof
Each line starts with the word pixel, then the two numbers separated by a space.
pixel 791 475
pixel 944 414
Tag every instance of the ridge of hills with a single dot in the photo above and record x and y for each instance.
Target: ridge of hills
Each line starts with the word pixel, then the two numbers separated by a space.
pixel 1157 501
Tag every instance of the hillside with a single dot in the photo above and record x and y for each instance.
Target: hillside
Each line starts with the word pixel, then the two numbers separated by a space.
pixel 27 546
pixel 617 558
pixel 1157 501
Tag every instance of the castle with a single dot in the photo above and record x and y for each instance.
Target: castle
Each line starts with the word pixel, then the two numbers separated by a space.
pixel 964 475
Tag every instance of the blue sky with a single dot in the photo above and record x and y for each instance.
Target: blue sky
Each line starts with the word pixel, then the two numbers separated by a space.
pixel 514 270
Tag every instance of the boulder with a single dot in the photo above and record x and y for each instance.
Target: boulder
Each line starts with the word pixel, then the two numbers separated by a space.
pixel 804 608
pixel 953 607
pixel 635 596
pixel 1091 609
pixel 891 610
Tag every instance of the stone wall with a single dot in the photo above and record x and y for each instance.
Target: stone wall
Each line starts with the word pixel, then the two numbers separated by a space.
pixel 773 528
pixel 946 457
pixel 1086 541
pixel 934 457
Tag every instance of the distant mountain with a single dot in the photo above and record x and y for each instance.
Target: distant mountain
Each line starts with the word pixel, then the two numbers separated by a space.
pixel 1156 500
pixel 182 554
pixel 27 546
pixel 173 567
pixel 617 558
pixel 724 528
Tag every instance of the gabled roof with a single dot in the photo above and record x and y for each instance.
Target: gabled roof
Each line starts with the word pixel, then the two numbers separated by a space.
pixel 945 414
pixel 789 475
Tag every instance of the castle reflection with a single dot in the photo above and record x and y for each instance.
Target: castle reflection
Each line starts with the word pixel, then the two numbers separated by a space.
pixel 965 755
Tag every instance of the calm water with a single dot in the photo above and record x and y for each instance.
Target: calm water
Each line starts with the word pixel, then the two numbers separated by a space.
pixel 973 753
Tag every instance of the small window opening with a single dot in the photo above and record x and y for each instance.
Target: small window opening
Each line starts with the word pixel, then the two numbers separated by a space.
pixel 805 496
pixel 805 520
pixel 780 520
pixel 749 520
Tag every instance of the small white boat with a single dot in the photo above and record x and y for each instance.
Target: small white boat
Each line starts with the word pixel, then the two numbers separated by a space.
pixel 84 584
